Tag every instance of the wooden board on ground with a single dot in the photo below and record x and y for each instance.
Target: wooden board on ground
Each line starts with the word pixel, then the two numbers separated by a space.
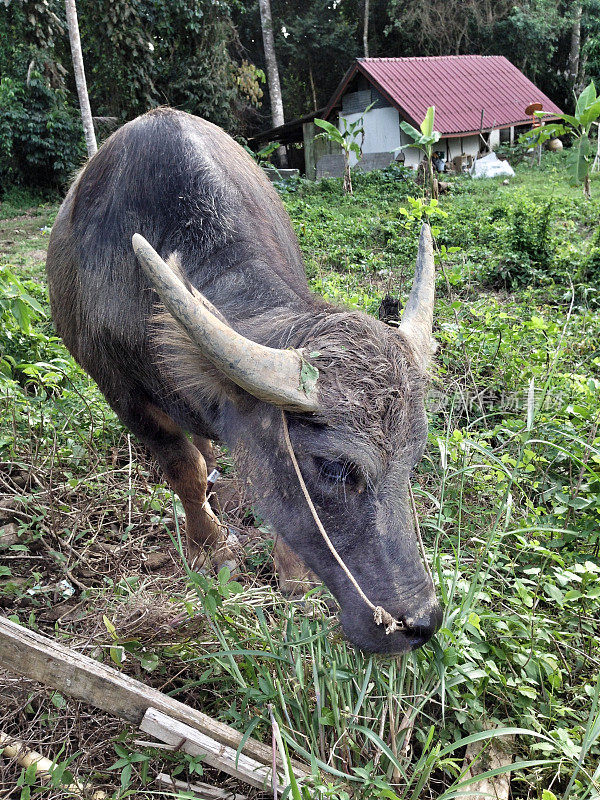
pixel 46 660
pixel 200 790
pixel 487 755
pixel 195 743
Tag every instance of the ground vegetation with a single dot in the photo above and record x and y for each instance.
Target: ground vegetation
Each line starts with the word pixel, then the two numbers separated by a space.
pixel 508 493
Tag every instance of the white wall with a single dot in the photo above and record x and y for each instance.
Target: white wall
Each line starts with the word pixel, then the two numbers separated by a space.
pixel 382 130
pixel 412 155
pixel 461 144
pixel 383 135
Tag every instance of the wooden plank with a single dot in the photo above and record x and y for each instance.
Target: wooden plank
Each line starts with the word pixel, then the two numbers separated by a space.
pixel 196 743
pixel 487 755
pixel 202 790
pixel 46 660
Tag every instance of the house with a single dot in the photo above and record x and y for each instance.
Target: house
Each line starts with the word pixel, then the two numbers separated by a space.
pixel 479 101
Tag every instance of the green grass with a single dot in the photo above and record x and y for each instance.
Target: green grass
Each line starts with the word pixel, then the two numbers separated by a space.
pixel 25 223
pixel 508 492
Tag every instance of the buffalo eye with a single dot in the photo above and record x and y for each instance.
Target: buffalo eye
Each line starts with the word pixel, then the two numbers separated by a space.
pixel 333 471
pixel 340 473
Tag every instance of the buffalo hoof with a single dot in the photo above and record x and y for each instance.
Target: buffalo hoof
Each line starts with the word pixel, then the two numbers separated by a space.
pixel 229 555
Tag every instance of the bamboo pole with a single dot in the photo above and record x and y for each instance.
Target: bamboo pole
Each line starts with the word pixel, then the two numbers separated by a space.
pixel 44 767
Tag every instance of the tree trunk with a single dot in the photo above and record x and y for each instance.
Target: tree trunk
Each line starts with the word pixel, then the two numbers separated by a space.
pixel 312 88
pixel 266 22
pixel 84 100
pixel 575 50
pixel 366 30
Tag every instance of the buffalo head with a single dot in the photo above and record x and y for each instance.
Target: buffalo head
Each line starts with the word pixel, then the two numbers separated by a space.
pixel 352 390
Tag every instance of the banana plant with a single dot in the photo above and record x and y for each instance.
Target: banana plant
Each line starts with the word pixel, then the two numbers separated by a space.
pixel 577 125
pixel 424 141
pixel 347 138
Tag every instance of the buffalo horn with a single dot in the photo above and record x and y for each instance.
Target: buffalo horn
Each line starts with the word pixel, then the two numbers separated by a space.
pixel 417 318
pixel 271 375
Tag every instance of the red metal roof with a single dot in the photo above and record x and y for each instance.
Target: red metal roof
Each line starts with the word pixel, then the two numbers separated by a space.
pixel 459 87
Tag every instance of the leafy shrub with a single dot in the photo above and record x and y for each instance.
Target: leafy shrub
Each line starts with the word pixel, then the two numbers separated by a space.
pixel 529 245
pixel 40 134
pixel 590 270
pixel 18 199
pixel 515 153
pixel 530 231
pixel 29 356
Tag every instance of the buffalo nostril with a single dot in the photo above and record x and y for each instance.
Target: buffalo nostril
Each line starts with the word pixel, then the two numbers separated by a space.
pixel 418 635
pixel 416 629
pixel 419 631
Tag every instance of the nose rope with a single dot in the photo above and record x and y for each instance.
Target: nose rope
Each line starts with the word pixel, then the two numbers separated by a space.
pixel 380 615
pixel 419 537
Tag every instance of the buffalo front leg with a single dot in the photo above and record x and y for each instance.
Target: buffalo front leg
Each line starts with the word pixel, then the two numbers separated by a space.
pixel 186 471
pixel 293 576
pixel 207 452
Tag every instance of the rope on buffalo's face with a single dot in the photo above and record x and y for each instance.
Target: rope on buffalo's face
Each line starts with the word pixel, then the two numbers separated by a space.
pixel 380 615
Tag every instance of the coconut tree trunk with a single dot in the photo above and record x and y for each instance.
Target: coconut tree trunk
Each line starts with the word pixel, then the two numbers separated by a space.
pixel 366 30
pixel 84 100
pixel 266 23
pixel 575 50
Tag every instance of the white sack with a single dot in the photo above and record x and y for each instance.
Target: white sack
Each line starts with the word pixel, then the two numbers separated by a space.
pixel 490 166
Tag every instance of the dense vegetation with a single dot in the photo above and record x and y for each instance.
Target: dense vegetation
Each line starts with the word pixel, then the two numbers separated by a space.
pixel 138 54
pixel 317 40
pixel 207 58
pixel 508 492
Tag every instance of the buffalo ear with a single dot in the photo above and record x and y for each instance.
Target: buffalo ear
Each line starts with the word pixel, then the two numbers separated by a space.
pixel 191 374
pixel 417 320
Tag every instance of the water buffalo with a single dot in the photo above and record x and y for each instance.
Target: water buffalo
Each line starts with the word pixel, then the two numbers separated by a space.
pixel 241 339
